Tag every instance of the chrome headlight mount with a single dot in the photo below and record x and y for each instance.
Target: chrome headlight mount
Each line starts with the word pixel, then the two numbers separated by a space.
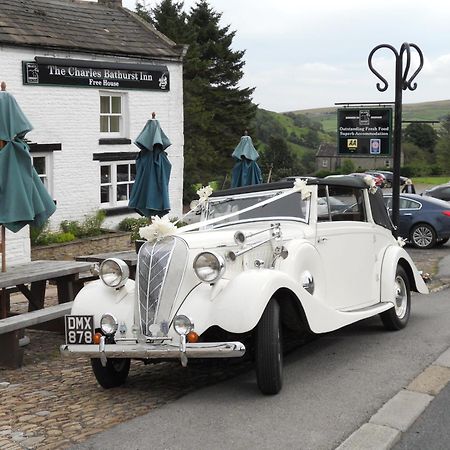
pixel 183 326
pixel 114 272
pixel 209 266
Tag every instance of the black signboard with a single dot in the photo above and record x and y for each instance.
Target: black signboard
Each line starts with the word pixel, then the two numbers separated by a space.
pixel 365 131
pixel 95 74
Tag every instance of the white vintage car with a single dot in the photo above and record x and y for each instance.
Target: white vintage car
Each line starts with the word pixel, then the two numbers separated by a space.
pixel 265 260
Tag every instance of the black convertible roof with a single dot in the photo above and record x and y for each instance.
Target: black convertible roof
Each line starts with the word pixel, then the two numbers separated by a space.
pixel 335 180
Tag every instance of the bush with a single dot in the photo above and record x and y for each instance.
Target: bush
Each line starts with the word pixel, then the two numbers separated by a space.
pixel 70 230
pixel 132 225
pixel 91 226
pixel 48 237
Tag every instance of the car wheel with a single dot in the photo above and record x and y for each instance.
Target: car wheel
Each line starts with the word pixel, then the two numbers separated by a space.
pixel 397 317
pixel 113 374
pixel 423 236
pixel 442 241
pixel 269 351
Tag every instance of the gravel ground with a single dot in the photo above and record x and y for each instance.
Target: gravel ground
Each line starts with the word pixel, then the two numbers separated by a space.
pixel 52 403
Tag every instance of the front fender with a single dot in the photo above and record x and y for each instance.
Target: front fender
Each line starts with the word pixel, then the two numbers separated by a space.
pixel 235 305
pixel 97 299
pixel 393 257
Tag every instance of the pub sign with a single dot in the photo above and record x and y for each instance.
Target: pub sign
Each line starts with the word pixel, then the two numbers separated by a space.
pixel 365 131
pixel 95 74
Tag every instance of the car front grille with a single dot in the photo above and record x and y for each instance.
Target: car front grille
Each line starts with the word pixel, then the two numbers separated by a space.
pixel 159 272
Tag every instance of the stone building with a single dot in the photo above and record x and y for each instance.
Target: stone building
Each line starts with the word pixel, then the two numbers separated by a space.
pixel 88 75
pixel 327 158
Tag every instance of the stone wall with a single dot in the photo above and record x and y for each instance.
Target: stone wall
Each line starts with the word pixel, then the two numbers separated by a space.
pixel 69 250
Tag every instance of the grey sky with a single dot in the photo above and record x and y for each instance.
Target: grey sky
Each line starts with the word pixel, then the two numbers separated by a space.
pixel 312 54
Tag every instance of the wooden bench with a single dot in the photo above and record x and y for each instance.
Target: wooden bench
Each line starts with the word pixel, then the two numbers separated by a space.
pixel 12 328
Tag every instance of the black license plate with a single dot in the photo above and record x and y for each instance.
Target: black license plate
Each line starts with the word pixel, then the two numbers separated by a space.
pixel 79 329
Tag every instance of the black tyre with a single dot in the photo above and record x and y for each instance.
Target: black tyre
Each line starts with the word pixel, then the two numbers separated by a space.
pixel 269 351
pixel 423 236
pixel 113 374
pixel 397 317
pixel 441 241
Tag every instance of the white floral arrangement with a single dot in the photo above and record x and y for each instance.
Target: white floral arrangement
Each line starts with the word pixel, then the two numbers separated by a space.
pixel 371 183
pixel 401 242
pixel 301 186
pixel 158 229
pixel 203 194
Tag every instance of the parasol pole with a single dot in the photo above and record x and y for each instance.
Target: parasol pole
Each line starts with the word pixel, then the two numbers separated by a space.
pixel 3 232
pixel 270 173
pixel 3 294
pixel 3 247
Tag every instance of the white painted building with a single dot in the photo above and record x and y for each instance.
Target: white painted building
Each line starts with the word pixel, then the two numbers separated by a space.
pixel 88 76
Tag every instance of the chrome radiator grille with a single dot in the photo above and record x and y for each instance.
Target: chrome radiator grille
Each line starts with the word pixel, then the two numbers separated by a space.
pixel 158 278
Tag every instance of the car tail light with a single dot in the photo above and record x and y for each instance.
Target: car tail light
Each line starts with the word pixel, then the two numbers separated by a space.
pixel 446 213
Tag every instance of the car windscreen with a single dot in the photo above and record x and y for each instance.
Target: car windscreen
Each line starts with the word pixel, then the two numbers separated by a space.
pixel 247 207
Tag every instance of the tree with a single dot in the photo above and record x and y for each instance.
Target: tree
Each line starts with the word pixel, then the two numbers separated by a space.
pixel 421 134
pixel 278 159
pixel 348 166
pixel 443 147
pixel 216 110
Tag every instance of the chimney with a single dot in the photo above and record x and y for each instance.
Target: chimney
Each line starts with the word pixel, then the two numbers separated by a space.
pixel 111 3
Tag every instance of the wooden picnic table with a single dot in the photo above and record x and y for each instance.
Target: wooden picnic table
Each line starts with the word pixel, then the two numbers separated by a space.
pixel 31 280
pixel 129 257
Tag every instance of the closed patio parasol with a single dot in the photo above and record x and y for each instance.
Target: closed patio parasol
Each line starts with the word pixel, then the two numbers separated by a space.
pixel 150 192
pixel 246 172
pixel 23 197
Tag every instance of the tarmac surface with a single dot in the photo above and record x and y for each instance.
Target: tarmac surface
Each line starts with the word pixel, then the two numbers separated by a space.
pixel 52 403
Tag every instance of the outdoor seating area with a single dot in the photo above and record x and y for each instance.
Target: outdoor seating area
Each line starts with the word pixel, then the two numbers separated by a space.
pixel 31 280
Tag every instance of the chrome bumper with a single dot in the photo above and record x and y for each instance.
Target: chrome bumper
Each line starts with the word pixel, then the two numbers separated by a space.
pixel 156 351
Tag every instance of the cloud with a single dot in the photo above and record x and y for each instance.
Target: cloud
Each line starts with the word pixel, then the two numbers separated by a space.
pixel 312 54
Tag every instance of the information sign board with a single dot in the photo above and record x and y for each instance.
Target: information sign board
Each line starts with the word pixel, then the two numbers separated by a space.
pixel 365 131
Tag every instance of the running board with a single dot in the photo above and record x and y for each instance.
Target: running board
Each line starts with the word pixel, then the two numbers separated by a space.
pixel 375 309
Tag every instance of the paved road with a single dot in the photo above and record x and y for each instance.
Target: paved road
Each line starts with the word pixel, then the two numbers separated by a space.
pixel 332 386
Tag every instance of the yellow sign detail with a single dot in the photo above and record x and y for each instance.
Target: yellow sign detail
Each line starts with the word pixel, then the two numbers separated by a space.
pixel 352 144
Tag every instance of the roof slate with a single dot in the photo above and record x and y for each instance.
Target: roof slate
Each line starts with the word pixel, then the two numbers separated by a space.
pixel 82 26
pixel 327 150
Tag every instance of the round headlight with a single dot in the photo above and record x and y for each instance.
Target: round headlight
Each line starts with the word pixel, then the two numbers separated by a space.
pixel 209 266
pixel 182 325
pixel 108 324
pixel 114 272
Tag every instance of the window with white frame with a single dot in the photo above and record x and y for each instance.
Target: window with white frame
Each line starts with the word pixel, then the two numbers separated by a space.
pixel 116 180
pixel 112 114
pixel 42 165
pixel 324 163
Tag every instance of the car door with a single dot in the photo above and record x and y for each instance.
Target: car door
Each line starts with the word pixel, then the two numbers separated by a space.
pixel 344 241
pixel 445 194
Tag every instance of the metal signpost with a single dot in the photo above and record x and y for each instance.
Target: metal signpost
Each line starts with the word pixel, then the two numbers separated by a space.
pixel 402 82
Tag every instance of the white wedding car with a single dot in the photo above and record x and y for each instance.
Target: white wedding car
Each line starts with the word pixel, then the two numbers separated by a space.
pixel 264 261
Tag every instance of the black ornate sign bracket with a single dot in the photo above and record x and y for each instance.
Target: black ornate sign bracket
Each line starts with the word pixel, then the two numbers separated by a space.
pixel 402 82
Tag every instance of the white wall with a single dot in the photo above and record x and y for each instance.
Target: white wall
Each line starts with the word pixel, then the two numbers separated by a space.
pixel 70 116
pixel 17 247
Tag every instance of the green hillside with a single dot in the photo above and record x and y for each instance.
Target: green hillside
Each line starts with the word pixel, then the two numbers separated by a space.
pixel 411 111
pixel 288 142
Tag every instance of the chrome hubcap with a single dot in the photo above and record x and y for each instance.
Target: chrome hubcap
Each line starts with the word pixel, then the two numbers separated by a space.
pixel 401 297
pixel 422 236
